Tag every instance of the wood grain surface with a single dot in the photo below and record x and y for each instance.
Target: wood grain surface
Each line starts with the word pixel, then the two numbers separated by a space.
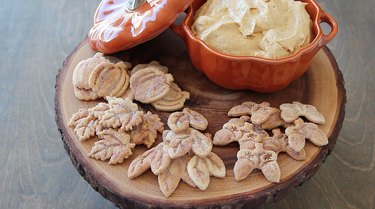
pixel 37 35
pixel 214 103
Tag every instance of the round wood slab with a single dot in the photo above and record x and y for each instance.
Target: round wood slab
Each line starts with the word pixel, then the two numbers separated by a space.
pixel 322 86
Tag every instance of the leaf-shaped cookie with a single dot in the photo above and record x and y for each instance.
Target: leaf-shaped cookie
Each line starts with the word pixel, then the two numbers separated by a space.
pixel 170 178
pixel 180 144
pixel 291 111
pixel 84 124
pixel 202 143
pixel 140 164
pixel 123 113
pixel 223 137
pixel 166 135
pixel 115 145
pixel 233 130
pixel 243 168
pixel 156 158
pixel 271 171
pixel 201 168
pixel 279 143
pixel 215 165
pixel 146 132
pixel 259 112
pixel 238 129
pixel 314 134
pixel 258 158
pixel 196 120
pixel 99 110
pixel 199 172
pixel 160 159
pixel 275 121
pixel 86 131
pixel 301 155
pixel 296 138
pixel 246 108
pixel 178 122
pixel 262 114
pixel 301 131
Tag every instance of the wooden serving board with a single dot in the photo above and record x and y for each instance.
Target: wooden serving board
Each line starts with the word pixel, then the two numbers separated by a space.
pixel 322 86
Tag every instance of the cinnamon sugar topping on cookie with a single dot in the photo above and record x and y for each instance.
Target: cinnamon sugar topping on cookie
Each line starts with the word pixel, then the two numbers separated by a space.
pixel 301 131
pixel 150 84
pixel 115 146
pixel 84 124
pixel 180 121
pixel 259 112
pixel 119 124
pixel 291 112
pixel 109 79
pixel 258 158
pixel 173 100
pixel 279 143
pixel 84 69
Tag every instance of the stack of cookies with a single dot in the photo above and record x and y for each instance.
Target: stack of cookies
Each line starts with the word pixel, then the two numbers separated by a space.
pixel 185 153
pixel 120 126
pixel 152 84
pixel 101 76
pixel 259 150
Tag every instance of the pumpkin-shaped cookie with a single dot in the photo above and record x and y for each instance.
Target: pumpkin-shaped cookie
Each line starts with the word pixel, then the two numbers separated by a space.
pixel 150 84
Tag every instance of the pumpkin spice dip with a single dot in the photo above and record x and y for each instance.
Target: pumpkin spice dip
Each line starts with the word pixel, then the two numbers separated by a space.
pixel 263 28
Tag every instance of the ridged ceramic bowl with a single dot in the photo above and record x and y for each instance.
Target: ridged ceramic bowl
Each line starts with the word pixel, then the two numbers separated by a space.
pixel 250 72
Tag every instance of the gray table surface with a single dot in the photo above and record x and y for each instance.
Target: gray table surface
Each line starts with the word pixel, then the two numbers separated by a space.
pixel 35 171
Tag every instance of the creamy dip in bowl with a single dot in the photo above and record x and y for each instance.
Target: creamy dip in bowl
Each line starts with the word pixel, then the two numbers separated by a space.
pixel 263 28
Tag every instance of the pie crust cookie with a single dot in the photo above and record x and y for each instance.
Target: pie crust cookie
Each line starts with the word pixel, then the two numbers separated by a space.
pixel 150 84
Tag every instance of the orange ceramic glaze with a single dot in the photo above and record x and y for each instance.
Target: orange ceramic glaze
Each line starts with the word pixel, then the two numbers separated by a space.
pixel 249 72
pixel 118 27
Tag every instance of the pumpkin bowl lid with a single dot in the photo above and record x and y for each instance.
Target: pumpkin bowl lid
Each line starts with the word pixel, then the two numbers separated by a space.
pixel 123 24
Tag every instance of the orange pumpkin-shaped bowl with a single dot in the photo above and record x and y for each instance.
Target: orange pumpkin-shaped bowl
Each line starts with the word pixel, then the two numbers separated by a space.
pixel 250 72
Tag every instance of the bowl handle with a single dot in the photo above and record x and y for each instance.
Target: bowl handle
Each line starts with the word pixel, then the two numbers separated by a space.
pixel 332 23
pixel 178 29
